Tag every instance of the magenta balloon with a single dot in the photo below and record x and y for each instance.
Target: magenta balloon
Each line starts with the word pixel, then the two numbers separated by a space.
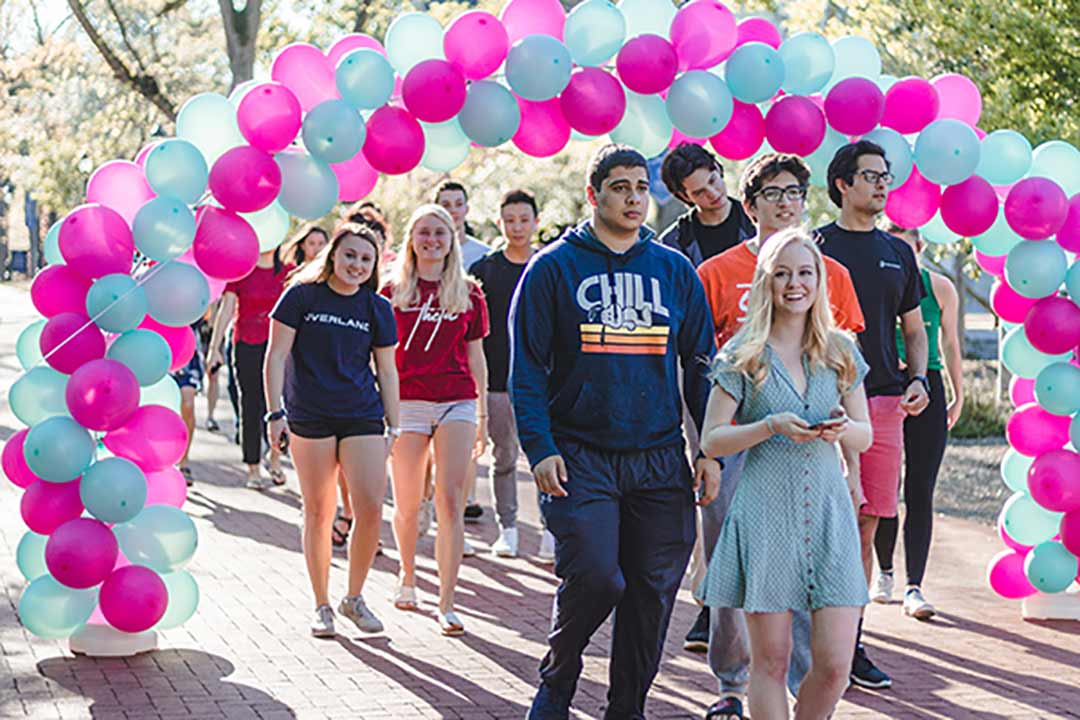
pixel 1033 431
pixel 914 203
pixel 102 394
pixel 181 341
pixel 993 264
pixel 960 98
pixel 394 142
pixel 910 105
pixel 647 64
pixel 96 241
pixel 1008 304
pixel 307 72
pixel 594 101
pixel 166 487
pixel 226 246
pixel 969 208
pixel 1036 208
pixel 1021 391
pixel 356 178
pixel 678 137
pixel 1054 480
pixel 1008 540
pixel 269 116
pixel 133 598
pixel 1052 325
pixel 758 29
pixel 81 553
pixel 1068 236
pixel 1070 532
pixel 14 462
pixel 434 91
pixel 743 135
pixel 476 43
pixel 854 106
pixel 532 17
pixel 140 157
pixel 1007 578
pixel 795 124
pixel 154 438
pixel 72 341
pixel 120 185
pixel 703 32
pixel 245 179
pixel 348 43
pixel 58 289
pixel 46 506
pixel 543 131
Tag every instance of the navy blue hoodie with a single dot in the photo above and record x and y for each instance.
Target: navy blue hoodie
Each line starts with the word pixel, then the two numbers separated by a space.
pixel 596 340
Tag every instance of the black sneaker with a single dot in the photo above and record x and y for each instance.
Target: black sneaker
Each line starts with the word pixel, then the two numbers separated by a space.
pixel 865 674
pixel 473 513
pixel 697 640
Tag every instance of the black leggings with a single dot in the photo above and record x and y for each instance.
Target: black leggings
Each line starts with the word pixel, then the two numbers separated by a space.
pixel 248 359
pixel 925 436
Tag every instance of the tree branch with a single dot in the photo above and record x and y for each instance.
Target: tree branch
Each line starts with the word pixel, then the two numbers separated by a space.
pixel 124 35
pixel 170 6
pixel 361 16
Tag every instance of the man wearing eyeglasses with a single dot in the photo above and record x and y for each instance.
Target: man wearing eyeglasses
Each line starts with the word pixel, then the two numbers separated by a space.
pixel 889 286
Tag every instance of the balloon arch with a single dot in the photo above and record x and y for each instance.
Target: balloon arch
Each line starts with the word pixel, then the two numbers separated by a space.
pixel 159 237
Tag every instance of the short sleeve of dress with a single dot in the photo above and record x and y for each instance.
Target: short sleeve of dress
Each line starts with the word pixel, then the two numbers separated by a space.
pixel 861 367
pixel 724 374
pixel 385 333
pixel 291 306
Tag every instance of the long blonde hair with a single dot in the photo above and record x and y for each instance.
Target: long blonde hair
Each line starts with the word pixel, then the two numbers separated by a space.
pixel 824 344
pixel 454 284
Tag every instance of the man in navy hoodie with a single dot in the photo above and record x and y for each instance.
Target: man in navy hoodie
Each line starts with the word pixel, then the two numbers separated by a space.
pixel 601 321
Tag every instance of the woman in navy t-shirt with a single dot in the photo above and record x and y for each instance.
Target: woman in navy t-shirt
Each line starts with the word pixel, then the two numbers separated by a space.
pixel 326 328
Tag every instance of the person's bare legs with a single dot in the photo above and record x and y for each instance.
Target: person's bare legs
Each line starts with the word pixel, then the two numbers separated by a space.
pixel 770 649
pixel 362 462
pixel 343 487
pixel 316 464
pixel 213 391
pixel 408 462
pixel 187 412
pixel 867 527
pixel 454 443
pixel 832 643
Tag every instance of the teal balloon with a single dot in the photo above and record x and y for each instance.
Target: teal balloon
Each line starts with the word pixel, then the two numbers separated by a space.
pixel 809 62
pixel 58 449
pixel 116 302
pixel 594 32
pixel 645 125
pixel 51 245
pixel 1036 268
pixel 240 91
pixel 28 346
pixel 491 115
pixel 365 79
pixel 333 131
pixel 538 67
pixel 947 152
pixel 819 160
pixel 30 556
pixel 1057 388
pixel 113 490
pixel 1014 470
pixel 39 395
pixel 183 599
pixel 271 225
pixel 937 232
pixel 164 228
pixel 177 294
pixel 754 72
pixel 1004 157
pixel 647 17
pixel 1050 567
pixel 886 81
pixel 51 610
pixel 581 137
pixel 176 168
pixel 412 38
pixel 897 152
pixel 999 239
pixel 309 188
pixel 1027 522
pixel 1059 161
pixel 1072 282
pixel 1074 432
pixel 855 57
pixel 699 104
pixel 1022 359
pixel 160 537
pixel 164 392
pixel 144 352
pixel 208 121
pixel 445 146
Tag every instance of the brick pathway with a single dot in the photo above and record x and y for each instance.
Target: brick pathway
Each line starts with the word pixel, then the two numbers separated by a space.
pixel 247 654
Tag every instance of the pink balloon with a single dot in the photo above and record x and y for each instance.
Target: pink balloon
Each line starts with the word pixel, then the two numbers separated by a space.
pixel 854 106
pixel 910 105
pixel 348 43
pixel 356 178
pixel 434 91
pixel 140 157
pixel 1021 390
pixel 678 137
pixel 594 101
pixel 102 394
pixel 58 289
pixel 81 552
pixel 120 185
pixel 133 598
pixel 166 487
pixel 533 17
pixel 46 506
pixel 181 341
pixel 1008 540
pixel 1036 208
pixel 1068 237
pixel 306 72
pixel 969 208
pixel 96 241
pixel 14 462
pixel 69 340
pixel 543 131
pixel 1033 431
pixel 154 438
pixel 758 29
pixel 704 32
pixel 960 98
pixel 1052 325
pixel 269 116
pixel 647 64
pixel 245 179
pixel 993 264
pixel 795 124
pixel 1007 578
pixel 1008 304
pixel 743 135
pixel 476 43
pixel 914 203
pixel 226 247
pixel 1070 532
pixel 1054 480
pixel 394 142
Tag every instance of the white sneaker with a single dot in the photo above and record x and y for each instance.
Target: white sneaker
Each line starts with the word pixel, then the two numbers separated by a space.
pixel 915 605
pixel 467 550
pixel 322 624
pixel 257 482
pixel 883 589
pixel 424 518
pixel 547 548
pixel 507 544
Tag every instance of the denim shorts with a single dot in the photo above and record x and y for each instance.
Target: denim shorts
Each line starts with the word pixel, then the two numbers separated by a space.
pixel 339 428
pixel 191 375
pixel 423 416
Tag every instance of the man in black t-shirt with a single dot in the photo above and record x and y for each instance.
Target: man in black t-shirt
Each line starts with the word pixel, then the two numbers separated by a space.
pixel 889 287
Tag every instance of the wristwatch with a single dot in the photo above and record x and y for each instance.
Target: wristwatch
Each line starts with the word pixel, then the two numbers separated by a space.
pixel 274 415
pixel 392 431
pixel 924 380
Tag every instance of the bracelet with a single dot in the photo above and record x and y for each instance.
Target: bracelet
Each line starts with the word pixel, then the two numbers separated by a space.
pixel 769 425
pixel 274 415
pixel 393 431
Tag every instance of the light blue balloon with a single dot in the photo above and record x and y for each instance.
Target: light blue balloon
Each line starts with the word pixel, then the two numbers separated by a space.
pixel 897 152
pixel 855 57
pixel 754 72
pixel 177 294
pixel 165 392
pixel 39 395
pixel 1014 470
pixel 1022 359
pixel 412 38
pixel 1057 388
pixel 208 121
pixel 271 225
pixel 818 161
pixel 647 17
pixel 1074 432
pixel 999 239
pixel 333 131
pixel 164 228
pixel 937 232
pixel 1072 282
pixel 645 125
pixel 240 91
pixel 183 599
pixel 1050 567
pixel 1004 157
pixel 51 245
pixel 809 62
pixel 30 556
pixel 886 81
pixel 1059 161
pixel 594 32
pixel 309 188
pixel 176 168
pixel 445 146
pixel 365 79
pixel 491 115
pixel 113 490
pixel 699 104
pixel 947 152
pixel 160 537
pixel 51 610
pixel 116 303
pixel 144 352
pixel 58 449
pixel 1027 522
pixel 538 67
pixel 1036 268
pixel 28 346
pixel 577 136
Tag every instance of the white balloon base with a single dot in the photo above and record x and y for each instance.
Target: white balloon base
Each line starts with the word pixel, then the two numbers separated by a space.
pixel 1059 606
pixel 107 641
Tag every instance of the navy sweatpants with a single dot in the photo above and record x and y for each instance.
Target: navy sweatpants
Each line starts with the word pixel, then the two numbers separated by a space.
pixel 623 538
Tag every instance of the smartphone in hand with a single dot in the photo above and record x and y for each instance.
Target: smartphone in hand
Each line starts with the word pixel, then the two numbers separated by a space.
pixel 830 422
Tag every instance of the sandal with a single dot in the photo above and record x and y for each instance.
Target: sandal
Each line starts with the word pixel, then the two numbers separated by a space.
pixel 186 472
pixel 277 476
pixel 450 624
pixel 338 536
pixel 729 708
pixel 405 597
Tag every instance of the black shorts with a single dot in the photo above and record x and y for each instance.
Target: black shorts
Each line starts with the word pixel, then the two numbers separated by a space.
pixel 339 428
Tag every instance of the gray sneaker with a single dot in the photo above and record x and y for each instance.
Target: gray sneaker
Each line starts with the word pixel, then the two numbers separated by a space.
pixel 322 625
pixel 356 610
pixel 257 482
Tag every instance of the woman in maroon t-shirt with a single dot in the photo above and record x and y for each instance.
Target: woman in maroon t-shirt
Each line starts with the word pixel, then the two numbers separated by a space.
pixel 441 321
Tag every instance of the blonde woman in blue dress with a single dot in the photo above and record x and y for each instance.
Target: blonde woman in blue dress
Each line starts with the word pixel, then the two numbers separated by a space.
pixel 792 384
